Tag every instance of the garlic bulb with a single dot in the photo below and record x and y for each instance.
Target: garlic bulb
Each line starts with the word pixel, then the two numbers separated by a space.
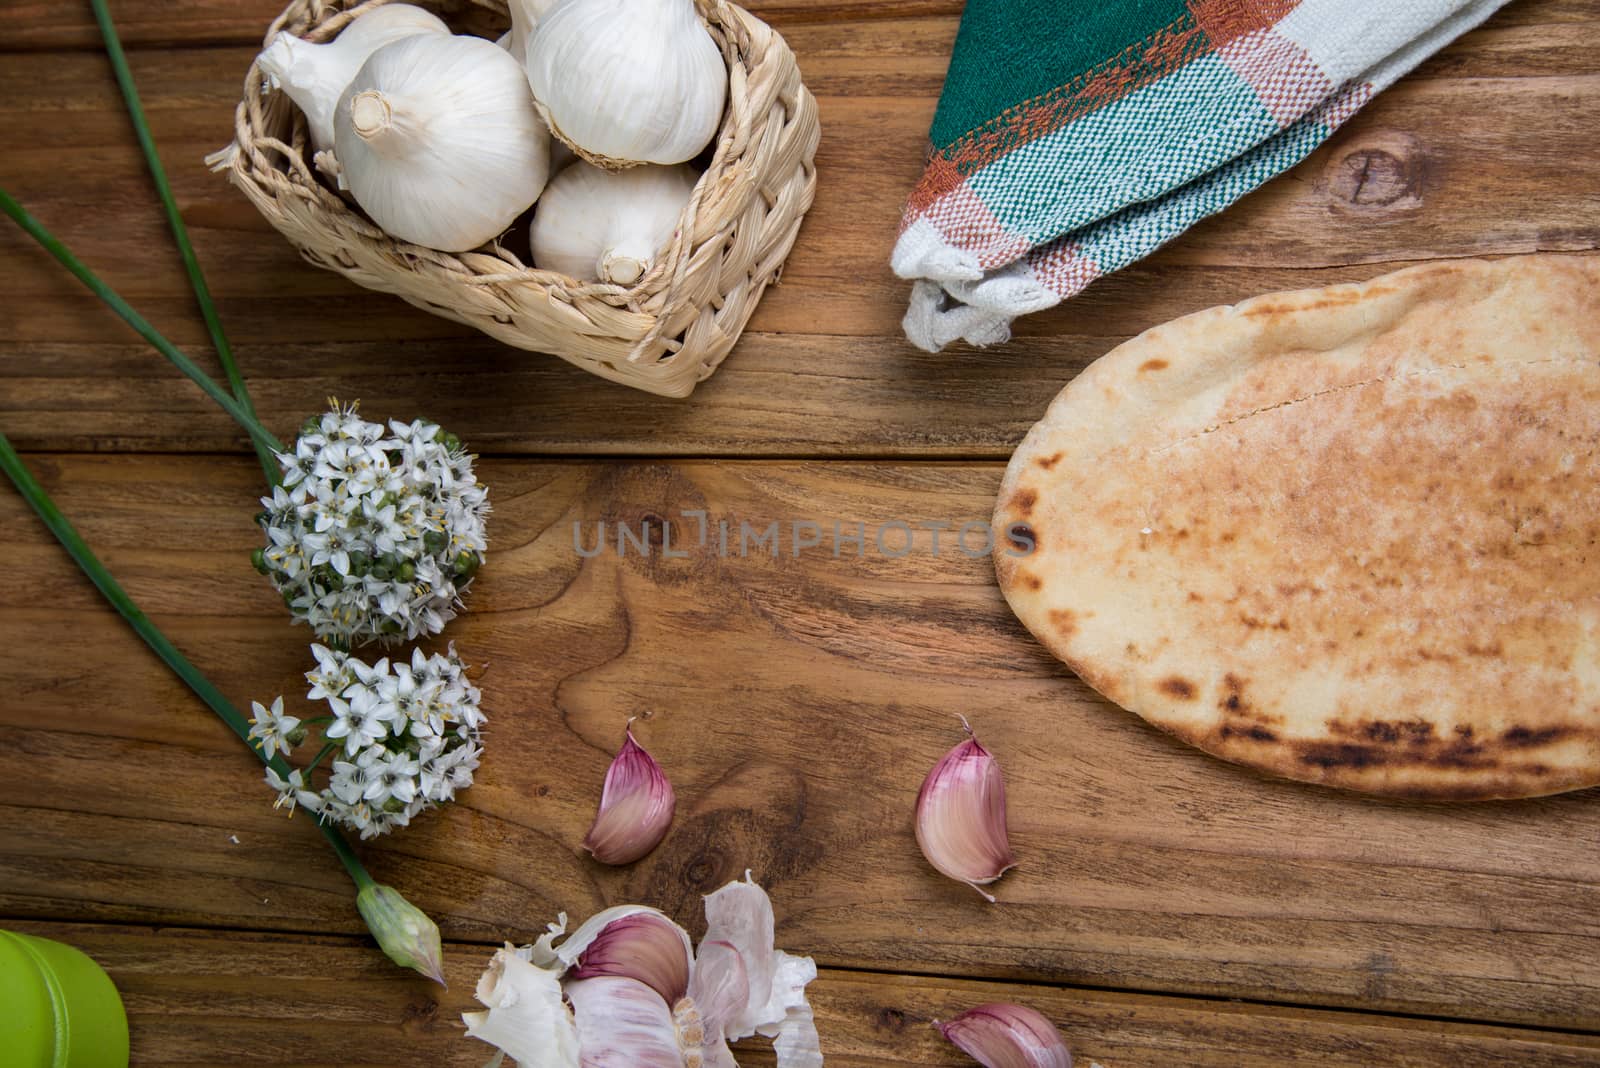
pixel 314 75
pixel 628 81
pixel 609 226
pixel 439 141
pixel 525 16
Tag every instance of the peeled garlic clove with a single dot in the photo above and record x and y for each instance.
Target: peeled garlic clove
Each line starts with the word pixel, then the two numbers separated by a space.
pixel 628 81
pixel 961 816
pixel 645 946
pixel 314 75
pixel 439 141
pixel 622 1023
pixel 609 226
pixel 636 806
pixel 1002 1035
pixel 525 1015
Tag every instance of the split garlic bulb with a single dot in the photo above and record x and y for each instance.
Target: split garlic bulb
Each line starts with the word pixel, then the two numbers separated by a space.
pixel 628 81
pixel 315 74
pixel 439 141
pixel 609 226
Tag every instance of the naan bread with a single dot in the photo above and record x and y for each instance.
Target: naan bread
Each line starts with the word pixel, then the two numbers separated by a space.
pixel 1347 535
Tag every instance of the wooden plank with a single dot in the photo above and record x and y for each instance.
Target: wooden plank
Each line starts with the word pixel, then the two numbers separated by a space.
pixel 1490 154
pixel 198 997
pixel 796 702
pixel 32 26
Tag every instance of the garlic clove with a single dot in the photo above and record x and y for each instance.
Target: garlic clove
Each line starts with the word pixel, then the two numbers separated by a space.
pixel 314 75
pixel 644 946
pixel 598 225
pixel 560 958
pixel 1001 1035
pixel 524 1013
pixel 439 141
pixel 961 816
pixel 628 81
pixel 622 1023
pixel 636 807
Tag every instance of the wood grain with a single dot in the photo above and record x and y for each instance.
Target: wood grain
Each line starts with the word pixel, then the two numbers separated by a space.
pixel 197 998
pixel 796 702
pixel 1485 152
pixel 29 25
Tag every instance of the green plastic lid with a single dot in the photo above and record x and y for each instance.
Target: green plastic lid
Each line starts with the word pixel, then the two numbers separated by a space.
pixel 61 1009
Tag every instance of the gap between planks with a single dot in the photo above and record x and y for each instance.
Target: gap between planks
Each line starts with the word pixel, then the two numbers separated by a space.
pixel 1203 1002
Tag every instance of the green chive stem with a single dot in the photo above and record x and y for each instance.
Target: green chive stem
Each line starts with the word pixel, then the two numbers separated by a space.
pixel 180 233
pixel 64 256
pixel 108 586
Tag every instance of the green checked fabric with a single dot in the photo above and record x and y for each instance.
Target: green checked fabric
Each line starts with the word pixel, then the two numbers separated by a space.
pixel 1074 137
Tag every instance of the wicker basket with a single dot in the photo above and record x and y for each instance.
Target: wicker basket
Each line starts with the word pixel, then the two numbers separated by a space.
pixel 664 334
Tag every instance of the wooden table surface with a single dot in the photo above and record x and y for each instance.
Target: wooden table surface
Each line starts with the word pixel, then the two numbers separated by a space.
pixel 1169 910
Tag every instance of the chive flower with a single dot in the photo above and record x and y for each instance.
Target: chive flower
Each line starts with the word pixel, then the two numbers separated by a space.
pixel 376 532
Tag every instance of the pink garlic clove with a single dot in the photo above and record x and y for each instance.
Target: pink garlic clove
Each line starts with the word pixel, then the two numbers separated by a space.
pixel 622 1024
pixel 1002 1035
pixel 642 946
pixel 961 816
pixel 636 806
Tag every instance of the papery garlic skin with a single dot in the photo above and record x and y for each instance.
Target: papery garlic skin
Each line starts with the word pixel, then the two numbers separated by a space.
pixel 721 985
pixel 1003 1035
pixel 315 75
pixel 525 1015
pixel 609 226
pixel 961 816
pixel 636 807
pixel 628 81
pixel 740 915
pixel 439 141
pixel 793 1028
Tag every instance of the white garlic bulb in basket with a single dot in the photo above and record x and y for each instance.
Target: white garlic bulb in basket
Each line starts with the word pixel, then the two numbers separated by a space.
pixel 439 141
pixel 525 16
pixel 314 75
pixel 609 226
pixel 628 81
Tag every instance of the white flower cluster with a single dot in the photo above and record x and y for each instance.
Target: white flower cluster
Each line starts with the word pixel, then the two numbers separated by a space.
pixel 376 531
pixel 403 737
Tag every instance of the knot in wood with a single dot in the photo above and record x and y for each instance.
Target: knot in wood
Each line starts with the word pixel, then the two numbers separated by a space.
pixel 703 872
pixel 1380 172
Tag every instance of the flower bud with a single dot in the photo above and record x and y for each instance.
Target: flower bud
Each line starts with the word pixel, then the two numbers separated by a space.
pixel 1001 1035
pixel 404 932
pixel 961 816
pixel 636 806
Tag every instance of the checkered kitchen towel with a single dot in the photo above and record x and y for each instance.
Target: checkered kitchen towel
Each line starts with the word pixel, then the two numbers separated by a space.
pixel 1074 137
